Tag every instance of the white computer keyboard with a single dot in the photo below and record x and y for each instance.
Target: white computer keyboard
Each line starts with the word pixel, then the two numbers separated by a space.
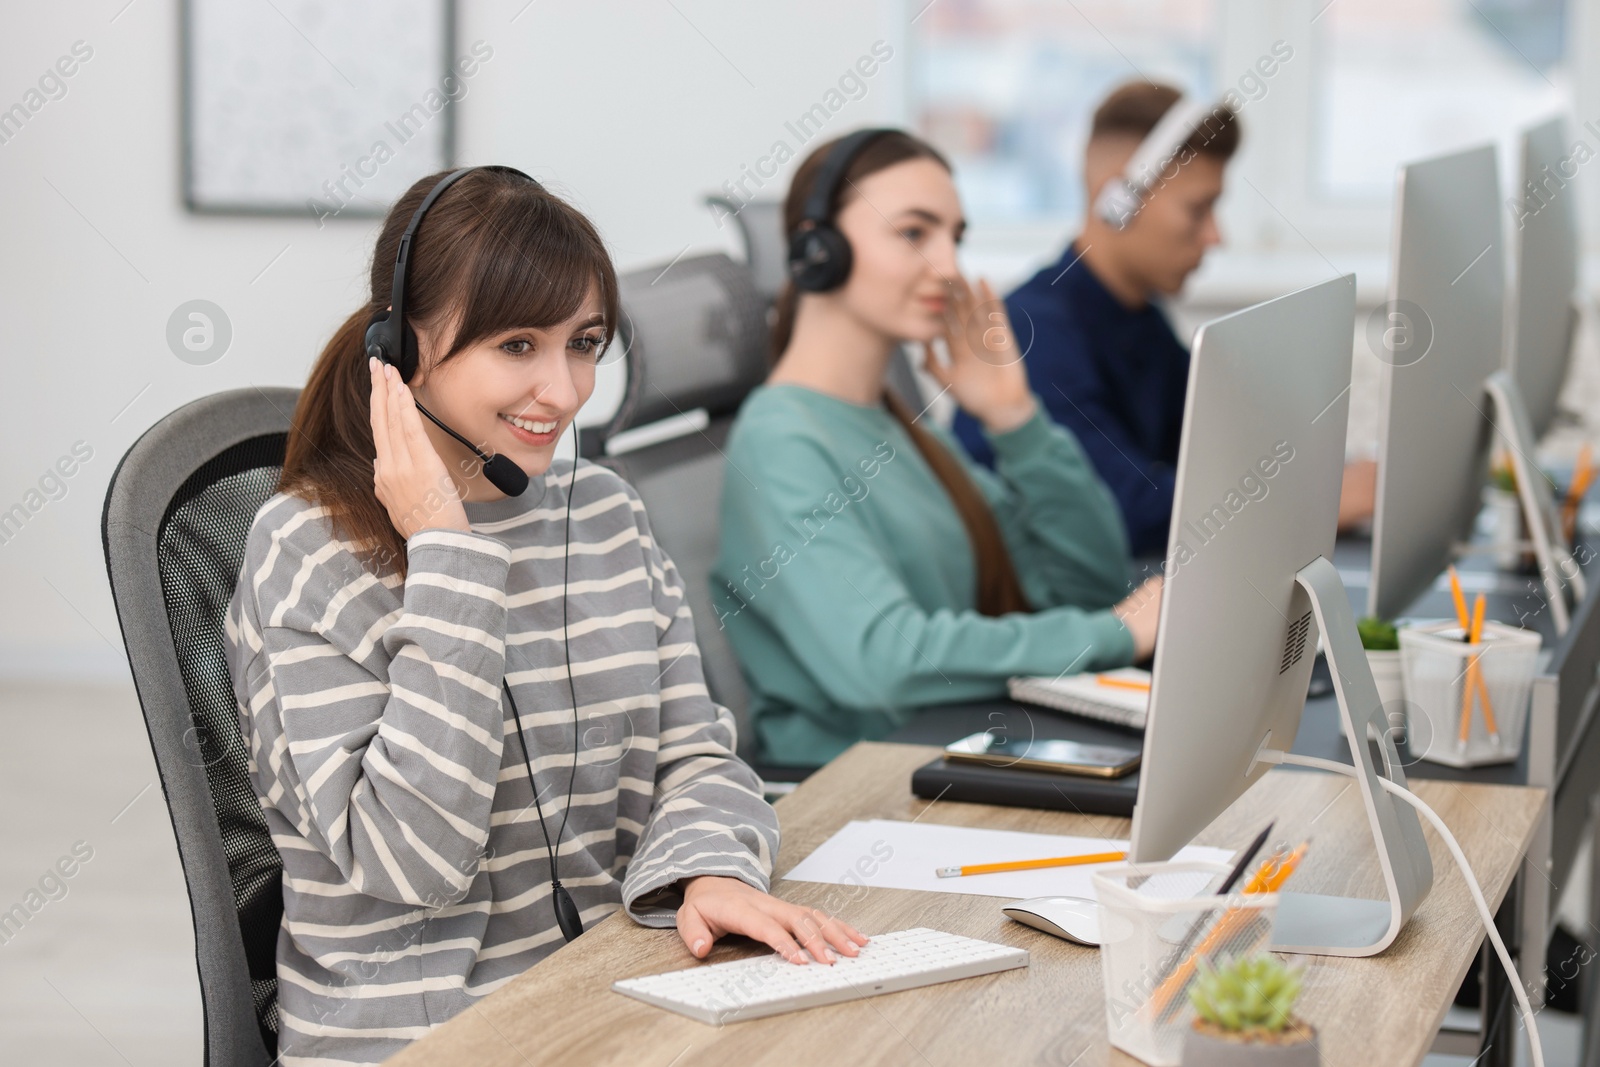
pixel 769 985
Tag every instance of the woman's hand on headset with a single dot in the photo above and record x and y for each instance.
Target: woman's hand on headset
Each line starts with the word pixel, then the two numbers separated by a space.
pixel 408 476
pixel 985 373
pixel 714 905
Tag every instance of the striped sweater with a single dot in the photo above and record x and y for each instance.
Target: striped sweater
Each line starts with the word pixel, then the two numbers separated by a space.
pixel 416 878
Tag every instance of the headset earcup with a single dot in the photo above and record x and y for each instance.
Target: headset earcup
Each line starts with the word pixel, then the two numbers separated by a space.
pixel 819 258
pixel 376 341
pixel 380 342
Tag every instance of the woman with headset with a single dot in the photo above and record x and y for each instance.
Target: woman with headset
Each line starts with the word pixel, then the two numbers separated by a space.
pixel 435 841
pixel 866 567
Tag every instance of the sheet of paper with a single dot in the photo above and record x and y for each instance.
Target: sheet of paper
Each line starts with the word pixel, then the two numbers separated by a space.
pixel 891 854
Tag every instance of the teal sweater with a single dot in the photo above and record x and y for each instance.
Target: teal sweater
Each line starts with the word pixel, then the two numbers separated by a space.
pixel 847 584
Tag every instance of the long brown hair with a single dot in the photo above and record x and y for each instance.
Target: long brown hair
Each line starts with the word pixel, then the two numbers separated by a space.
pixel 495 252
pixel 999 591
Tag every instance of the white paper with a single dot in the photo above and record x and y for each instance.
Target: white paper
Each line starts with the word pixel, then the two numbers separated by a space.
pixel 891 854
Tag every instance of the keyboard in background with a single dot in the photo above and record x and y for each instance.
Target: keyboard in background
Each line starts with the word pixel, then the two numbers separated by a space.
pixel 770 985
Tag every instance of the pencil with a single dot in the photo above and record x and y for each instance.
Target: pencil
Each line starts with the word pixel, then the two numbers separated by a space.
pixel 1581 476
pixel 1470 684
pixel 1461 601
pixel 1030 865
pixel 1123 683
pixel 1476 668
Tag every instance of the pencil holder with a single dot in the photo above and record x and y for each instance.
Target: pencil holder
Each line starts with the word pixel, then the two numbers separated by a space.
pixel 1159 924
pixel 1466 703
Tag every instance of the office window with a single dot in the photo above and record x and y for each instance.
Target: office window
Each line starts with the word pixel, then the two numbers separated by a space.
pixel 1007 87
pixel 1398 80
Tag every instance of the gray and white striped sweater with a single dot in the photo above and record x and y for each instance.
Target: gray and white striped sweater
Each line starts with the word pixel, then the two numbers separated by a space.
pixel 416 878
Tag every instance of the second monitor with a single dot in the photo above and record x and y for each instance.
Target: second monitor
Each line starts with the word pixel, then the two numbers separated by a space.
pixel 1249 587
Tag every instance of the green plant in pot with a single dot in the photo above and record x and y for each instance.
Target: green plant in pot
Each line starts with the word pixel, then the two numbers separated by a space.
pixel 1244 1016
pixel 1381 639
pixel 1378 635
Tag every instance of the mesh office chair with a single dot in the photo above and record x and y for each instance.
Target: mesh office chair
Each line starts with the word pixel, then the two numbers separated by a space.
pixel 696 339
pixel 176 519
pixel 174 526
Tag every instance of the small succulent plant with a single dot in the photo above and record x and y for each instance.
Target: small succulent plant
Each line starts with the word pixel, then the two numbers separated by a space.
pixel 1250 993
pixel 1377 635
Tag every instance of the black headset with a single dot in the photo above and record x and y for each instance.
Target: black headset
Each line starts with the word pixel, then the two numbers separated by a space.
pixel 819 254
pixel 391 339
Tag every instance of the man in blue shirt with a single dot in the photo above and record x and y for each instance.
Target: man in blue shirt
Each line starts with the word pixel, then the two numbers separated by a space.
pixel 1100 352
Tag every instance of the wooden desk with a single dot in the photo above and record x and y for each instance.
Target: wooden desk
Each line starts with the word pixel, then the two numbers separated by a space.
pixel 1380 1010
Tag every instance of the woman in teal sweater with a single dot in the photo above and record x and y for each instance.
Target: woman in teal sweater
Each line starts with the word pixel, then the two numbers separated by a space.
pixel 866 568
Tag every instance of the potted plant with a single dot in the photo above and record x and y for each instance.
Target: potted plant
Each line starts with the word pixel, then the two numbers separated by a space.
pixel 1381 639
pixel 1245 1017
pixel 1505 509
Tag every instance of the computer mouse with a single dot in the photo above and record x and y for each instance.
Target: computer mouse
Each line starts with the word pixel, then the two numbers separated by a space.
pixel 1073 918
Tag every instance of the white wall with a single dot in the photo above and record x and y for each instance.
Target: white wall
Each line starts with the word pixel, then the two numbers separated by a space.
pixel 632 110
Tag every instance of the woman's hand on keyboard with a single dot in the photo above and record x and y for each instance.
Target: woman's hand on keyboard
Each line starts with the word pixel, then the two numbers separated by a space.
pixel 715 905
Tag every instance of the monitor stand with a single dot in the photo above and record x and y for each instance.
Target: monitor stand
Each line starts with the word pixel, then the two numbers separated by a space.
pixel 1348 926
pixel 1550 548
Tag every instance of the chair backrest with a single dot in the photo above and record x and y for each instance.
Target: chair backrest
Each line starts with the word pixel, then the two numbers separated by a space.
pixel 176 519
pixel 766 257
pixel 766 246
pixel 697 341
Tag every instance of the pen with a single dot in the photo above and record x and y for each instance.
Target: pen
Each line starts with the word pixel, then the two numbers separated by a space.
pixel 1030 865
pixel 1244 859
pixel 1123 683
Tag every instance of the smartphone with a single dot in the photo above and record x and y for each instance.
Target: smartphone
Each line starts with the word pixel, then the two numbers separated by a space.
pixel 1062 757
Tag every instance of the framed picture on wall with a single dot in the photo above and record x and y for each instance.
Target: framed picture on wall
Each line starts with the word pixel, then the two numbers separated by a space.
pixel 303 107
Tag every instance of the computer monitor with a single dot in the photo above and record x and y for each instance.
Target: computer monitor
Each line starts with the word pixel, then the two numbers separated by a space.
pixel 1542 316
pixel 1438 340
pixel 1249 587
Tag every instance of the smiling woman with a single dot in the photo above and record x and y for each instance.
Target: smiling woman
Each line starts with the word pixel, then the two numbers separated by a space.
pixel 395 610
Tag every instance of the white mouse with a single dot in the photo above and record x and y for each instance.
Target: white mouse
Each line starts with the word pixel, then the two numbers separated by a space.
pixel 1073 918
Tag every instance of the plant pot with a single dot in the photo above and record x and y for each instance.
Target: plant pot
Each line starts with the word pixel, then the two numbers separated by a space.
pixel 1508 533
pixel 1207 1046
pixel 1390 680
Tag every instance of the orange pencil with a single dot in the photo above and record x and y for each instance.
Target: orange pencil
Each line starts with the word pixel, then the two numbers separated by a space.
pixel 1461 601
pixel 1123 683
pixel 1477 672
pixel 1582 474
pixel 1030 865
pixel 1472 681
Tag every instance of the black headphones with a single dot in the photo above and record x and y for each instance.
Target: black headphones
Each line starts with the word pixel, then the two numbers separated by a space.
pixel 390 338
pixel 819 255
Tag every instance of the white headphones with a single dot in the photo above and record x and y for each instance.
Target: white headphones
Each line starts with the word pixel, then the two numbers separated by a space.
pixel 1121 197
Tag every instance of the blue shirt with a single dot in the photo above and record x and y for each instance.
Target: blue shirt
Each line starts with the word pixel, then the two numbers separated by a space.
pixel 1115 377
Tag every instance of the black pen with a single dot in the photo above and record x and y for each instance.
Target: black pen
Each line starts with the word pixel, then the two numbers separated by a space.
pixel 1244 859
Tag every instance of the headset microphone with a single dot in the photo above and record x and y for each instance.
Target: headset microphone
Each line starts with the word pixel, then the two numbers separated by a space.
pixel 391 339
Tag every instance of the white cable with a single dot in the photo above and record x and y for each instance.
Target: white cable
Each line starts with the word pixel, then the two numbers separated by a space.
pixel 1269 756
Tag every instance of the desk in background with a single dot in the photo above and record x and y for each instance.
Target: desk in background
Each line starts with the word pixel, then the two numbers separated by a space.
pixel 1381 1010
